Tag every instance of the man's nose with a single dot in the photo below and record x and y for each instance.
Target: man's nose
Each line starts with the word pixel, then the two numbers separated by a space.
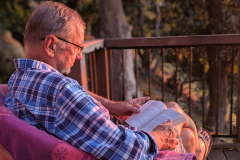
pixel 79 56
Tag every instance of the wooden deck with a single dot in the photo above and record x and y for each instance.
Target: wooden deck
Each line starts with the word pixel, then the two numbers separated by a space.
pixel 225 151
pixel 224 154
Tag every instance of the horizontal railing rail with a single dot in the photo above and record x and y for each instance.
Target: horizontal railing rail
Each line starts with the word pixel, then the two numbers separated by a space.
pixel 173 41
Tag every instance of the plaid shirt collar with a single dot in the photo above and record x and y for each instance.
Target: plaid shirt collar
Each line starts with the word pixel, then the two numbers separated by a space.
pixel 24 64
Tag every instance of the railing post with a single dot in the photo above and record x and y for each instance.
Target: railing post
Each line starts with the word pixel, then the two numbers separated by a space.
pixel 190 81
pixel 124 71
pixel 136 70
pixel 163 85
pixel 176 75
pixel 111 73
pixel 79 72
pixel 204 82
pixel 238 98
pixel 149 70
pixel 91 67
pixel 102 73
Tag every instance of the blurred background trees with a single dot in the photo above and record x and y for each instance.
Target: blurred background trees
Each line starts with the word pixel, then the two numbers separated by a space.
pixel 154 18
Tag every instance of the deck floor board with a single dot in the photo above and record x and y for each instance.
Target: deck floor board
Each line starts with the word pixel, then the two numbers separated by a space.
pixel 216 154
pixel 232 154
pixel 224 154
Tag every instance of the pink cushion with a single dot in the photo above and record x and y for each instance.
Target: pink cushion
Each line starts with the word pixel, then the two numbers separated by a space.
pixel 25 142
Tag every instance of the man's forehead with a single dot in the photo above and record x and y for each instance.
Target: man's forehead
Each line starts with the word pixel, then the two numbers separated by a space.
pixel 76 25
pixel 79 30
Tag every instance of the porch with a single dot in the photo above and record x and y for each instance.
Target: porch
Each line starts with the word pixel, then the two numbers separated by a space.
pixel 94 73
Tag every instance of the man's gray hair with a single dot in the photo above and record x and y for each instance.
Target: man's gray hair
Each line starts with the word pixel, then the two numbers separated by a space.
pixel 50 18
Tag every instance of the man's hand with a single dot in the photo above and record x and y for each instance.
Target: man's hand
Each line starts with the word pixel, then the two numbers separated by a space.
pixel 122 108
pixel 127 108
pixel 166 136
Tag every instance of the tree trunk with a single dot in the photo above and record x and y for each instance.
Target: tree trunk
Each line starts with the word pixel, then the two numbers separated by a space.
pixel 158 19
pixel 218 94
pixel 141 17
pixel 115 25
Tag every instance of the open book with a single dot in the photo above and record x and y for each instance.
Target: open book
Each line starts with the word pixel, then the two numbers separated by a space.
pixel 154 113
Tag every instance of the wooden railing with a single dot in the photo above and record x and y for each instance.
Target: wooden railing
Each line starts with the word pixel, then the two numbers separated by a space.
pixel 94 70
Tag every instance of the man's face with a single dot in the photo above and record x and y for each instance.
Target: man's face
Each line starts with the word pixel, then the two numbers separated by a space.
pixel 66 56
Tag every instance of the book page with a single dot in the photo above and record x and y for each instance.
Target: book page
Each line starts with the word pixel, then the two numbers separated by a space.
pixel 179 121
pixel 163 117
pixel 147 112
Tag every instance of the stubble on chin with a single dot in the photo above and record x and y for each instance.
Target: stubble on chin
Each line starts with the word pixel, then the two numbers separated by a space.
pixel 66 71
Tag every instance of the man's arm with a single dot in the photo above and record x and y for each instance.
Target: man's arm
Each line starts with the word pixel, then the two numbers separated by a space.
pixel 86 125
pixel 121 108
pixel 164 134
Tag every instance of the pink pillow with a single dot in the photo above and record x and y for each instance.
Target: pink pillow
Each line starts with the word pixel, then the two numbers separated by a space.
pixel 26 142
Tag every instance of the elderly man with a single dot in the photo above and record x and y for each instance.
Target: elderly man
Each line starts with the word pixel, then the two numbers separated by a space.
pixel 42 96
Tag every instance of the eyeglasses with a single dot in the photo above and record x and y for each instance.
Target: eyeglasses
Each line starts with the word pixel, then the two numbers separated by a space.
pixel 79 48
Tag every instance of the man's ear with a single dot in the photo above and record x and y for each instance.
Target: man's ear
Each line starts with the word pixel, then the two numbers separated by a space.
pixel 49 43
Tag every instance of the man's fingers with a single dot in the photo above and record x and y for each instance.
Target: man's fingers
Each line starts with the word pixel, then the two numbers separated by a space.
pixel 169 122
pixel 135 102
pixel 170 144
pixel 174 141
pixel 140 99
pixel 136 105
pixel 133 109
pixel 173 144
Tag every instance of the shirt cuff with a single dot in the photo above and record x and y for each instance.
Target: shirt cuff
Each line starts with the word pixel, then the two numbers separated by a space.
pixel 153 146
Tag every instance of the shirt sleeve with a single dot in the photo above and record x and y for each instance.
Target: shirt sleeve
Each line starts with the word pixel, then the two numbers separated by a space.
pixel 83 123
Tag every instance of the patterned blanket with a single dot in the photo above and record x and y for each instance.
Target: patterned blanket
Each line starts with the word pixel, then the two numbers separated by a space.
pixel 25 142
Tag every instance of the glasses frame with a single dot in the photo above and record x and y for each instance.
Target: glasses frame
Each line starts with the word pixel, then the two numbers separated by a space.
pixel 81 47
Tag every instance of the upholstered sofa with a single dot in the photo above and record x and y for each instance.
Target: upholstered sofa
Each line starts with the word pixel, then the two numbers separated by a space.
pixel 20 141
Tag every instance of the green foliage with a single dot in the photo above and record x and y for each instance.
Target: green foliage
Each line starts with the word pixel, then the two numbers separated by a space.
pixel 182 17
pixel 89 11
pixel 178 17
pixel 14 15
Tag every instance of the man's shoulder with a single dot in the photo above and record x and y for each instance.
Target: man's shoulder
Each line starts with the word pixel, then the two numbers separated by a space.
pixel 45 80
pixel 42 77
pixel 59 78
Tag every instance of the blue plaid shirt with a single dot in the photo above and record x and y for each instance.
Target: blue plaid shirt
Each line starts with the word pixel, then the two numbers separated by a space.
pixel 46 99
